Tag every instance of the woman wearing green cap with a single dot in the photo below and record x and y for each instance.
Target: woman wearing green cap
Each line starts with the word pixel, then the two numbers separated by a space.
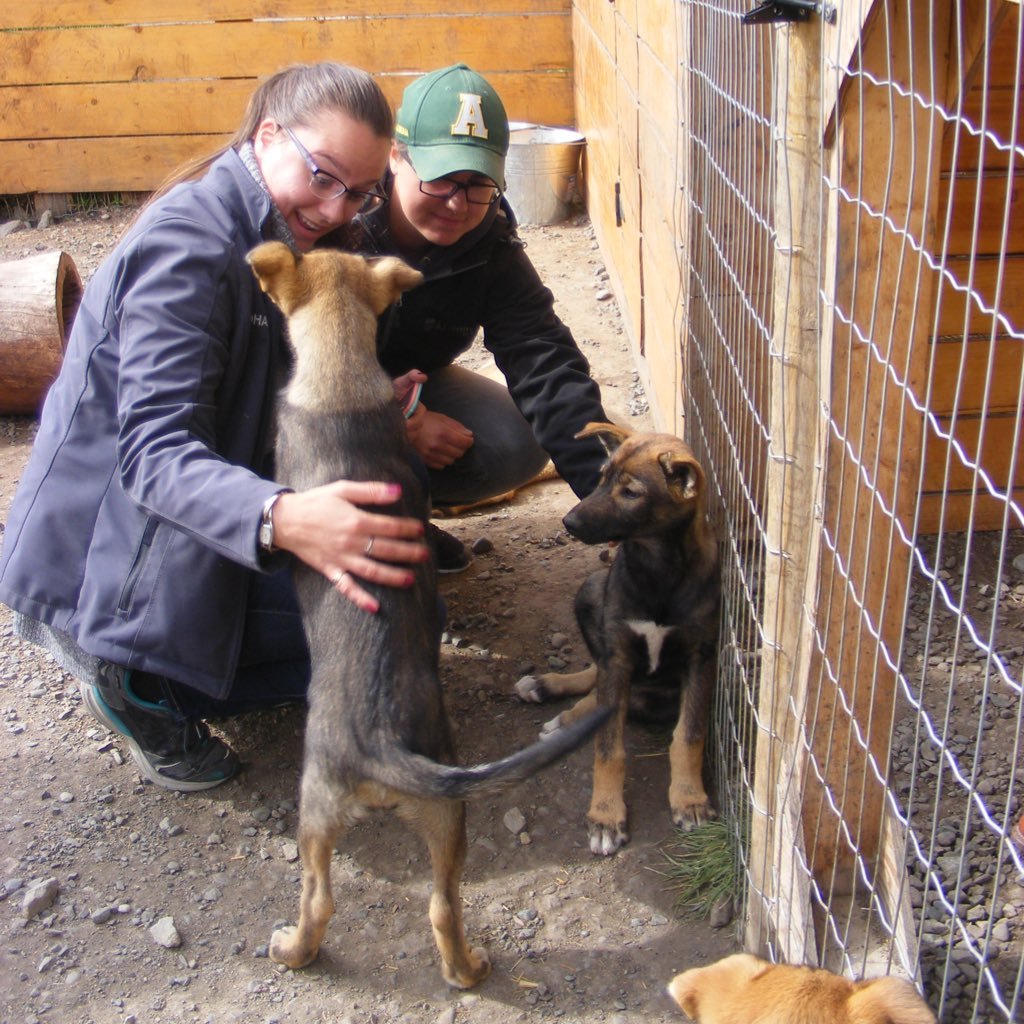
pixel 447 217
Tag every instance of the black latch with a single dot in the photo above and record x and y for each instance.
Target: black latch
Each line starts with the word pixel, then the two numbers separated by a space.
pixel 788 10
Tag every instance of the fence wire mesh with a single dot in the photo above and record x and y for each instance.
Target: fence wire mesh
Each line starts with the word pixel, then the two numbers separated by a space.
pixel 854 319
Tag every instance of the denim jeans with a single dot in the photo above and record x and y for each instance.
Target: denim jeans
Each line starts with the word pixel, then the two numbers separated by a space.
pixel 504 455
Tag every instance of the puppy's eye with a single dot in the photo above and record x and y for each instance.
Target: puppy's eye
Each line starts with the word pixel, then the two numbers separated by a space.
pixel 632 491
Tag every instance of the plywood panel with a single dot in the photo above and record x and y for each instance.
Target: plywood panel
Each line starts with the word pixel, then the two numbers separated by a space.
pixel 658 29
pixel 662 327
pixel 241 49
pixel 599 18
pixel 594 89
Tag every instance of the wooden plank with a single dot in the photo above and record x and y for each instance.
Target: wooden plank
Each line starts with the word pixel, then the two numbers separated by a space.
pixel 963 367
pixel 973 151
pixel 960 313
pixel 45 13
pixel 203 106
pixel 1000 444
pixel 242 49
pixel 976 41
pixel 992 212
pixel 840 39
pixel 789 507
pixel 945 511
pixel 89 165
pixel 123 109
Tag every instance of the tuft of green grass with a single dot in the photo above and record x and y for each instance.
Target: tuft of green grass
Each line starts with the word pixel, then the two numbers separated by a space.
pixel 701 867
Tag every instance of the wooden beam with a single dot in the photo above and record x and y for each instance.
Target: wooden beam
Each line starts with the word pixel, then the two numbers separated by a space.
pixel 776 842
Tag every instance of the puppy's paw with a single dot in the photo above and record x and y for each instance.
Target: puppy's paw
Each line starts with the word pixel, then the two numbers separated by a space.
pixel 286 949
pixel 476 968
pixel 531 690
pixel 606 838
pixel 550 727
pixel 693 815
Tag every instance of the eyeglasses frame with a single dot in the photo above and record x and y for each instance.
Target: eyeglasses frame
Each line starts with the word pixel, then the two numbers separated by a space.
pixel 464 186
pixel 368 200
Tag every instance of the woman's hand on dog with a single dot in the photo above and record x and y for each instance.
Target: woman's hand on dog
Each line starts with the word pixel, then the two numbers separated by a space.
pixel 324 527
pixel 439 439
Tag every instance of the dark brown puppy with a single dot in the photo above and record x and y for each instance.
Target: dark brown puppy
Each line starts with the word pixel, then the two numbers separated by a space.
pixel 743 989
pixel 377 735
pixel 650 622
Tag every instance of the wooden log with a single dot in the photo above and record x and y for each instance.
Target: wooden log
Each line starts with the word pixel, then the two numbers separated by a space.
pixel 39 296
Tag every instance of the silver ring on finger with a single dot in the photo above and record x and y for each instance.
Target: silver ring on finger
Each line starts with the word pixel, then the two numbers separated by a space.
pixel 369 547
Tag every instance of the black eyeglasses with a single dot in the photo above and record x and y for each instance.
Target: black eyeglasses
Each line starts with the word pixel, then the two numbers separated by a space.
pixel 476 192
pixel 326 186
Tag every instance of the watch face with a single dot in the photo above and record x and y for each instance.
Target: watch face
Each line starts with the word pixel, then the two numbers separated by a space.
pixel 266 535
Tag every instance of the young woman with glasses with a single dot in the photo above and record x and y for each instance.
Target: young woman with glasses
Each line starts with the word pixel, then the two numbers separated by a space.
pixel 446 215
pixel 146 545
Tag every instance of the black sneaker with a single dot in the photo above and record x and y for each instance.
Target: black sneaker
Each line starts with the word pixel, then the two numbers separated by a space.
pixel 451 554
pixel 171 750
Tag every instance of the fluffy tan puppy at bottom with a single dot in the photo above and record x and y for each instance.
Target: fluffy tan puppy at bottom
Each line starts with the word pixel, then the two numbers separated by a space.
pixel 743 989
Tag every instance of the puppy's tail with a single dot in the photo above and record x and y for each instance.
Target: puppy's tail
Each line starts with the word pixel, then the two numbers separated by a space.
pixel 412 773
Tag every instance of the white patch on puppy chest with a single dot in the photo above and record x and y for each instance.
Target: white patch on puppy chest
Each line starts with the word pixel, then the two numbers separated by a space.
pixel 655 637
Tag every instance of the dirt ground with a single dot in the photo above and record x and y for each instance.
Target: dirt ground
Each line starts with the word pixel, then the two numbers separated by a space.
pixel 571 936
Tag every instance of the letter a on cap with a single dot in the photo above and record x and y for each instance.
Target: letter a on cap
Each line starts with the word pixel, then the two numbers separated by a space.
pixel 471 116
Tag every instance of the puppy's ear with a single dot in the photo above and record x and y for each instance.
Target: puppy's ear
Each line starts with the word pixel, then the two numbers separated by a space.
pixel 274 265
pixel 611 435
pixel 389 277
pixel 887 1001
pixel 682 473
pixel 270 262
pixel 683 989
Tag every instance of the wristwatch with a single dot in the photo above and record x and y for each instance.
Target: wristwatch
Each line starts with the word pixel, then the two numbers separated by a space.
pixel 266 531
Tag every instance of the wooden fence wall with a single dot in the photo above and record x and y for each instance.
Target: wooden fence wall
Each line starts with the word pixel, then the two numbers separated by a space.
pixel 110 95
pixel 630 105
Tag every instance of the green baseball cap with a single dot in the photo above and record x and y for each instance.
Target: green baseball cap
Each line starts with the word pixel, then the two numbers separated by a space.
pixel 452 120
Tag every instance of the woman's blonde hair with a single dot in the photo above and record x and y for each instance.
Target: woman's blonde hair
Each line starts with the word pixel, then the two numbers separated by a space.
pixel 294 96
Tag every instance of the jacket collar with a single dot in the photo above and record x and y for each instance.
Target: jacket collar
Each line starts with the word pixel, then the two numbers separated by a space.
pixel 258 205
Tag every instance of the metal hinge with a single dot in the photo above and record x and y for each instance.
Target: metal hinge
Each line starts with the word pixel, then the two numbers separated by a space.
pixel 769 11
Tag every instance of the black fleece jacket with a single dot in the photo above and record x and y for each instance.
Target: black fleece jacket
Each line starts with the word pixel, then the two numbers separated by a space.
pixel 486 281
